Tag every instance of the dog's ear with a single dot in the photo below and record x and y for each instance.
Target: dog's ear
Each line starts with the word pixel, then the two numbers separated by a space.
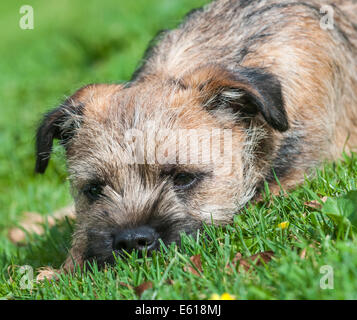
pixel 60 123
pixel 248 91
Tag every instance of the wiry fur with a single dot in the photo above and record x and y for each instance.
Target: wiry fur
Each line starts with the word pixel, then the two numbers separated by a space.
pixel 266 70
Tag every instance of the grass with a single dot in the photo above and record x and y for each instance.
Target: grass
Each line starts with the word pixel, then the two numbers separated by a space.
pixel 78 42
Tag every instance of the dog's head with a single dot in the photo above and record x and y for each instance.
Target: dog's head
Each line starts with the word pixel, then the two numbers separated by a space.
pixel 160 156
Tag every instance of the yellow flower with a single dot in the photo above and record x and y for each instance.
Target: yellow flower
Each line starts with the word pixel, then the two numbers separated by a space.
pixel 227 296
pixel 283 225
pixel 224 296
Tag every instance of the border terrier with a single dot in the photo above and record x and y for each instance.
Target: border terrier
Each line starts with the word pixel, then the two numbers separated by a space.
pixel 241 93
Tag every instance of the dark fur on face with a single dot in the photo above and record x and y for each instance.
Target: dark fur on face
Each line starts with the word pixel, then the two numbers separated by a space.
pixel 148 198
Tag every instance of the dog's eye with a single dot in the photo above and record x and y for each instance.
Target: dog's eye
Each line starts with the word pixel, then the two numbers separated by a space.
pixel 93 191
pixel 184 180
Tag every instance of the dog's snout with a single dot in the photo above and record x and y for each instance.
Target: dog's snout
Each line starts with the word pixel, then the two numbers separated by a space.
pixel 135 239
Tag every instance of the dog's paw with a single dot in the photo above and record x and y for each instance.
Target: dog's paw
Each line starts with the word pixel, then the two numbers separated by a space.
pixel 47 273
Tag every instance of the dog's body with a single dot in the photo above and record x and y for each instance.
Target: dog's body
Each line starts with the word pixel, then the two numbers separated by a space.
pixel 266 71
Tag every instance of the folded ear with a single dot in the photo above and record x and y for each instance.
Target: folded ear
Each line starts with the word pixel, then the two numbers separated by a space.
pixel 60 123
pixel 56 124
pixel 247 91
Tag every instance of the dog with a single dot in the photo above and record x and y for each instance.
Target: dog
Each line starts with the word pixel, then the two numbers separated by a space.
pixel 266 76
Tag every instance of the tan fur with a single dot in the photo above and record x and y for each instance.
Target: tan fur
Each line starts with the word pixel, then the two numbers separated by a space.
pixel 227 67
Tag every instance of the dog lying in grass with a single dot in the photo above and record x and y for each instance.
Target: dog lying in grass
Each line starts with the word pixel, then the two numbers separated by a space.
pixel 241 94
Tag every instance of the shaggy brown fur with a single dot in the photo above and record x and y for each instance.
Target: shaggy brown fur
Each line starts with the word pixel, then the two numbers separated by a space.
pixel 283 88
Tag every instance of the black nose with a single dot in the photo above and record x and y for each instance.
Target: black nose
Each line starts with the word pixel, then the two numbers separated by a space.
pixel 139 238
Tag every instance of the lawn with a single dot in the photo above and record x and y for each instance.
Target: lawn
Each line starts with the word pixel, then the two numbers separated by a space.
pixel 78 42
